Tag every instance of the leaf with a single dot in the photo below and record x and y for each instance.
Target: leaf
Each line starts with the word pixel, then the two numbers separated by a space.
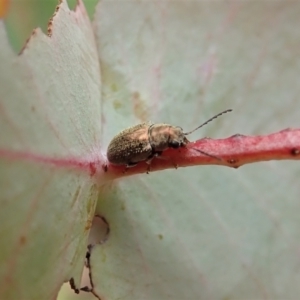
pixel 49 144
pixel 203 232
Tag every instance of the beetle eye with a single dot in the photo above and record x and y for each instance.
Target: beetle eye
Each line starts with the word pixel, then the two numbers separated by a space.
pixel 174 144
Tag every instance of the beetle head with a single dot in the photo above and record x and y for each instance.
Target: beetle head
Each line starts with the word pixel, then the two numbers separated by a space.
pixel 176 137
pixel 163 136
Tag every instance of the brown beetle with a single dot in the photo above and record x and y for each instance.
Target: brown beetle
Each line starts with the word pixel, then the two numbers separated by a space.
pixel 145 141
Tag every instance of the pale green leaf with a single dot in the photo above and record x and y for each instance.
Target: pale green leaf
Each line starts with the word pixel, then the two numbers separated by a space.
pixel 197 233
pixel 203 232
pixel 50 132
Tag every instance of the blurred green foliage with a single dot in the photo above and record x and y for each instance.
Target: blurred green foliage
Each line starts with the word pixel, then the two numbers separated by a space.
pixel 25 15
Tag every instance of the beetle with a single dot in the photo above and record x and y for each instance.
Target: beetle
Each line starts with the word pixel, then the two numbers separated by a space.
pixel 145 141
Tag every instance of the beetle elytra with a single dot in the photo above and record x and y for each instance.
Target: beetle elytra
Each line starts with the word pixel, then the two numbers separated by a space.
pixel 145 141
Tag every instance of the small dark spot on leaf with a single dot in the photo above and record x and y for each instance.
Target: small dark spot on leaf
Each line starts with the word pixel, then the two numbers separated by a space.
pixel 114 87
pixel 160 236
pixel 22 240
pixel 88 225
pixel 49 29
pixel 117 104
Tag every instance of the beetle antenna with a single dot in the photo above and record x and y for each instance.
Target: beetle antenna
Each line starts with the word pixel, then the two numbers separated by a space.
pixel 214 117
pixel 207 154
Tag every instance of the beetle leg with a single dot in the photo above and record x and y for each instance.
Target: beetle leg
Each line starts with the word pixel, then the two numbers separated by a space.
pixel 167 158
pixel 148 162
pixel 207 154
pixel 150 158
pixel 129 165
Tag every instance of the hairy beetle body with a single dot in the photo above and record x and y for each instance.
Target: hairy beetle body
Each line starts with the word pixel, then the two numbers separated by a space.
pixel 145 141
pixel 130 146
